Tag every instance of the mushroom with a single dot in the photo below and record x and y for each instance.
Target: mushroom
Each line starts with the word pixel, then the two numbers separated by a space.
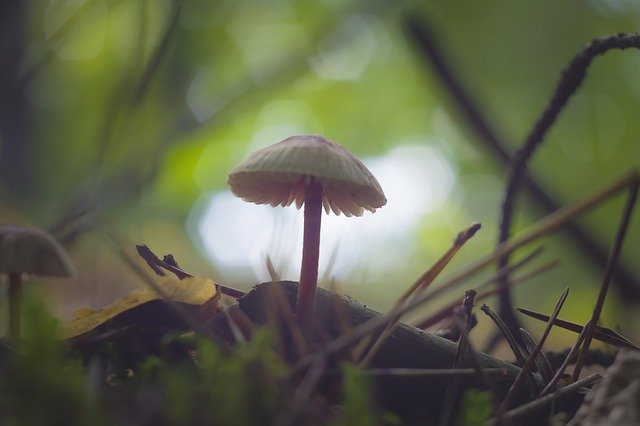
pixel 314 171
pixel 32 251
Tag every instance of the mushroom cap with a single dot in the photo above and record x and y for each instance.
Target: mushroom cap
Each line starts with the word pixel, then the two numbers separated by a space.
pixel 279 174
pixel 34 251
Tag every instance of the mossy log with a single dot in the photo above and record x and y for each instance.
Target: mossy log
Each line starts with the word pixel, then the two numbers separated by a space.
pixel 408 347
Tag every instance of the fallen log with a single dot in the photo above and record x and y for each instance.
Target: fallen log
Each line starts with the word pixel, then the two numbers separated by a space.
pixel 413 398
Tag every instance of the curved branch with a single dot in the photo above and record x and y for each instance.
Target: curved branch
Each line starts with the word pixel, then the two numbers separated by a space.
pixel 571 79
pixel 422 35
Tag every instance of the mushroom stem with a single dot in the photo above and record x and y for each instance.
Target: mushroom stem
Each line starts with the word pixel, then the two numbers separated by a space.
pixel 310 252
pixel 15 296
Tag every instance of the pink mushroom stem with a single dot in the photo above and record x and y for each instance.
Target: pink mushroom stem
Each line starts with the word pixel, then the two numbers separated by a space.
pixel 305 305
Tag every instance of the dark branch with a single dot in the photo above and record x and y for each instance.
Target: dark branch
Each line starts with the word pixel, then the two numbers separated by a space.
pixel 570 81
pixel 473 117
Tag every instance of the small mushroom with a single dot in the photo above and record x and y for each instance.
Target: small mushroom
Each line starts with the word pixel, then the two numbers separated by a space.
pixel 31 251
pixel 314 171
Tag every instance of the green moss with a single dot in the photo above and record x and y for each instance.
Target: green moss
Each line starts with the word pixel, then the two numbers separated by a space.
pixel 39 383
pixel 244 388
pixel 476 408
pixel 358 408
pixel 187 380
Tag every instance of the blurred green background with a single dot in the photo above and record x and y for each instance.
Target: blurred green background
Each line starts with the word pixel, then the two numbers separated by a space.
pixel 135 111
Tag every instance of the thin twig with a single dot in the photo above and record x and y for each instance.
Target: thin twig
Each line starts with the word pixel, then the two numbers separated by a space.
pixel 480 371
pixel 118 116
pixel 556 377
pixel 159 54
pixel 602 334
pixel 368 350
pixel 156 264
pixel 302 394
pixel 444 312
pixel 462 318
pixel 546 400
pixel 542 363
pixel 191 320
pixel 608 273
pixel 430 274
pixel 57 37
pixel 520 359
pixel 429 372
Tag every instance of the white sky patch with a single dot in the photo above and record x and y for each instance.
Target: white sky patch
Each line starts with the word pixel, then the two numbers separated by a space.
pixel 236 235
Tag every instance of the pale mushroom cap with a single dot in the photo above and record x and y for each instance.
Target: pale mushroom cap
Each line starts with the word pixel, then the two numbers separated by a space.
pixel 34 251
pixel 278 175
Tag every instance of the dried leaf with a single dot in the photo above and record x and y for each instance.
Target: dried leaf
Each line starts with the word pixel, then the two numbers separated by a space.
pixel 146 303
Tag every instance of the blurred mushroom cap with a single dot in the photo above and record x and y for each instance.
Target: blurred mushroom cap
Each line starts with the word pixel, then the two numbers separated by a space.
pixel 279 174
pixel 34 251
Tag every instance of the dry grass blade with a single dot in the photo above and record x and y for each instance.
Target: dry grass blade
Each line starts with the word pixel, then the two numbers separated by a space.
pixel 367 350
pixel 371 326
pixel 556 377
pixel 430 274
pixel 240 324
pixel 541 228
pixel 506 333
pixel 547 225
pixel 57 37
pixel 445 311
pixel 302 394
pixel 271 270
pixel 328 270
pixel 511 342
pixel 344 325
pixel 280 311
pixel 608 274
pixel 605 335
pixel 529 363
pixel 541 360
pixel 237 334
pixel 516 413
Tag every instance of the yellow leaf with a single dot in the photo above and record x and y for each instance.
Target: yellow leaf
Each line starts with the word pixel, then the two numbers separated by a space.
pixel 192 291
